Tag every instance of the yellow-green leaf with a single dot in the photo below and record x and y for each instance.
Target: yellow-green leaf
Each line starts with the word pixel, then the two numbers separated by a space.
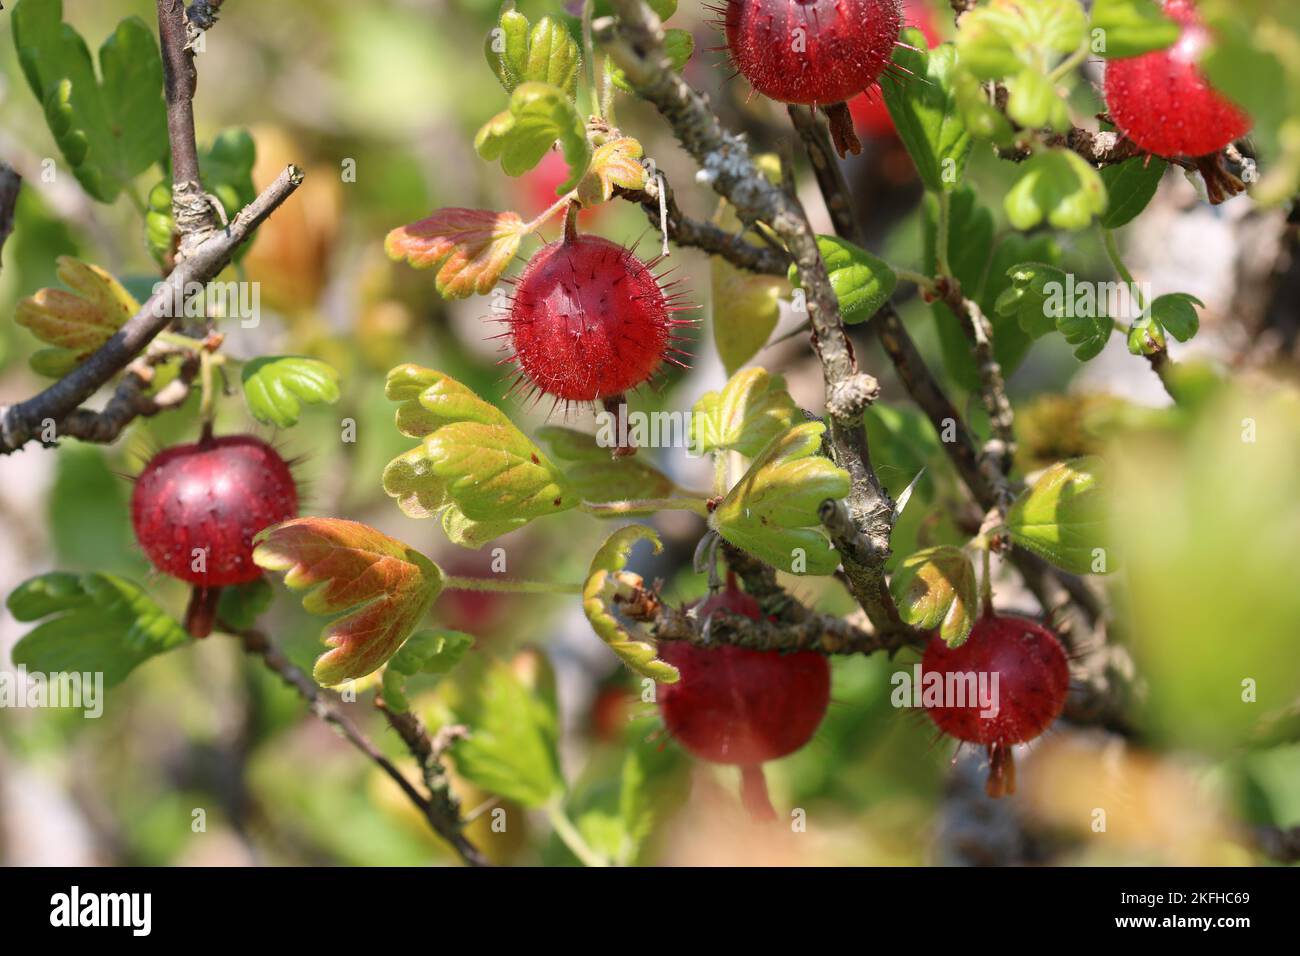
pixel 746 308
pixel 1061 517
pixel 616 163
pixel 772 512
pixel 752 408
pixel 935 588
pixel 538 116
pixel 606 580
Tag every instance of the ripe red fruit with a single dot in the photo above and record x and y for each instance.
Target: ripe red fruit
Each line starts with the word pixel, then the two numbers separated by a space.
pixel 1163 102
pixel 196 509
pixel 738 706
pixel 589 320
pixel 870 116
pixel 816 52
pixel 1033 678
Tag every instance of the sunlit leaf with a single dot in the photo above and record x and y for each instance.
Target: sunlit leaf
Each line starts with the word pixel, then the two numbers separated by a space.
pixel 470 248
pixel 606 583
pixel 752 408
pixel 936 588
pixel 276 387
pixel 772 512
pixel 1061 517
pixel 382 587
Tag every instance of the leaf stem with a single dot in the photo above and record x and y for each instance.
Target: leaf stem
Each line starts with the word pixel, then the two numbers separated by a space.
pixel 457 583
pixel 1116 260
pixel 589 57
pixel 569 834
pixel 535 224
pixel 1069 63
pixel 941 238
pixel 921 281
pixel 698 505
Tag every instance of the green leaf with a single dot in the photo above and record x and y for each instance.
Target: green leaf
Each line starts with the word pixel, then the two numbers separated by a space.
pixel 514 734
pixel 678 46
pixel 598 477
pixel 276 387
pixel 613 164
pixel 474 534
pixel 862 283
pixel 539 114
pixel 1087 333
pixel 999 39
pixel 1056 185
pixel 1130 185
pixel 1124 28
pixel 772 512
pixel 607 582
pixel 982 118
pixel 745 309
pixel 936 588
pixel 472 456
pixel 1061 517
pixel 752 408
pixel 494 473
pixel 429 399
pixel 1033 101
pixel 980 262
pixel 425 652
pixel 544 53
pixel 1027 298
pixel 924 109
pixel 95 623
pixel 382 587
pixel 226 168
pixel 240 606
pixel 1177 313
pixel 109 131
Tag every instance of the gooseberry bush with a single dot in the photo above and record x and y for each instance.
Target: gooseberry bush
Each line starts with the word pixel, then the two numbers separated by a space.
pixel 941 528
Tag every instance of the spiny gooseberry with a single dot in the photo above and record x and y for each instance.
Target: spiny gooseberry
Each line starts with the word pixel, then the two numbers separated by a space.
pixel 737 706
pixel 1033 678
pixel 870 115
pixel 1163 102
pixel 196 508
pixel 590 321
pixel 814 52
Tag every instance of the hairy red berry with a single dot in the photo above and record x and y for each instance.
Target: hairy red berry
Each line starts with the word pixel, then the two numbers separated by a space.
pixel 870 115
pixel 816 52
pixel 1163 102
pixel 196 509
pixel 738 706
pixel 589 320
pixel 1032 680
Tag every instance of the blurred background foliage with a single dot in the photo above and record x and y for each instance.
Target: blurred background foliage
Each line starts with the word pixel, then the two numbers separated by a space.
pixel 1207 523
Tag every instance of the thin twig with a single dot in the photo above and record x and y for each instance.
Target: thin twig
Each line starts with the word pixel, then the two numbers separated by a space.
pixel 685 231
pixel 635 42
pixel 10 184
pixel 22 422
pixel 446 826
pixel 192 209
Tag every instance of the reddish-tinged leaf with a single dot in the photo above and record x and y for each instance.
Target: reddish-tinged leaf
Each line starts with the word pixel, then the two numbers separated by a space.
pixel 385 586
pixel 470 248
